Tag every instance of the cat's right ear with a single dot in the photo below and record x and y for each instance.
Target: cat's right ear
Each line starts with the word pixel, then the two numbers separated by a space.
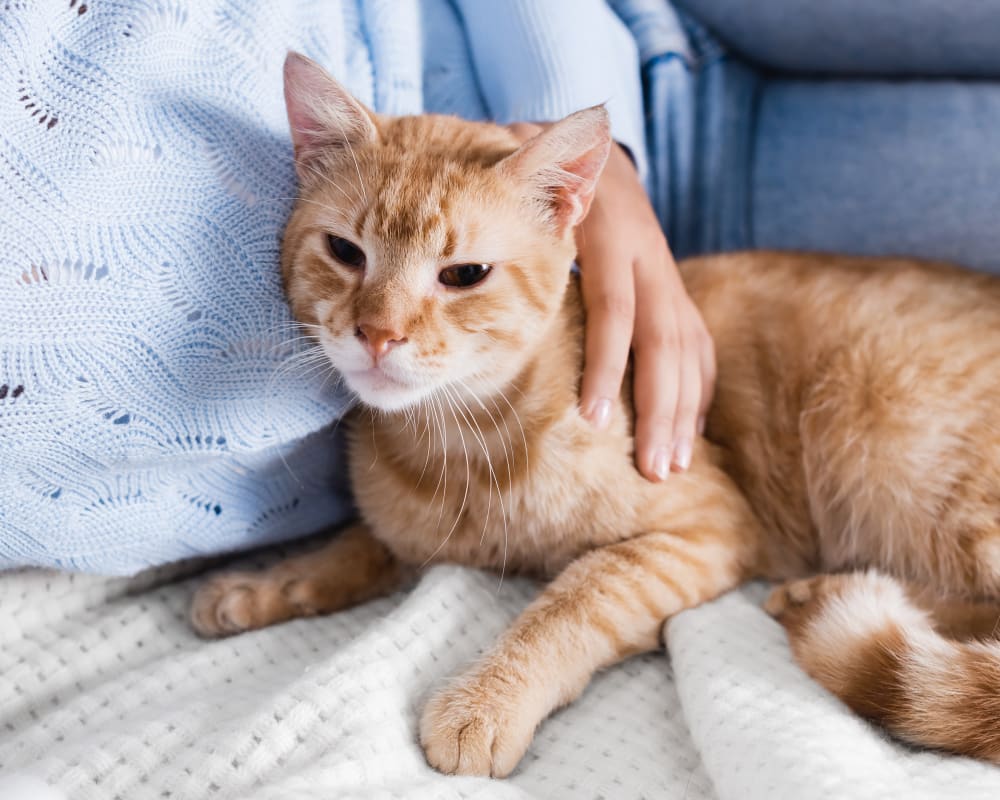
pixel 563 163
pixel 321 113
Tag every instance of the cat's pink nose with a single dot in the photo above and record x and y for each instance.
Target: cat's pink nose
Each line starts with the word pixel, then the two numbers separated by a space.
pixel 378 341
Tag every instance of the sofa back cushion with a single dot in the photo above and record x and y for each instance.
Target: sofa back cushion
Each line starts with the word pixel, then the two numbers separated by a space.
pixel 957 38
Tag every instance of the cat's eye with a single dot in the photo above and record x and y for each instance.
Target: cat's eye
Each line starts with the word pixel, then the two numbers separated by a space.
pixel 462 275
pixel 345 252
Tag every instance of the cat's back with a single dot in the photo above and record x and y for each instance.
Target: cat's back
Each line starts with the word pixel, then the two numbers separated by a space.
pixel 761 290
pixel 789 318
pixel 851 377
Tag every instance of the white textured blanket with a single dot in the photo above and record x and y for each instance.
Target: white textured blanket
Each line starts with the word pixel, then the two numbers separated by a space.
pixel 106 693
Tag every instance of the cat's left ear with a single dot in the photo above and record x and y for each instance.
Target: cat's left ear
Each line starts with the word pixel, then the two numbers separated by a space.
pixel 564 162
pixel 322 114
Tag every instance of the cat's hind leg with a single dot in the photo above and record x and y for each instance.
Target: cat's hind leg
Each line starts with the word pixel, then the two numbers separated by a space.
pixel 962 619
pixel 798 601
pixel 351 568
pixel 866 638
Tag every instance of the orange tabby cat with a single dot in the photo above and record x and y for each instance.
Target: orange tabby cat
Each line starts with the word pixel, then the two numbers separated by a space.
pixel 853 427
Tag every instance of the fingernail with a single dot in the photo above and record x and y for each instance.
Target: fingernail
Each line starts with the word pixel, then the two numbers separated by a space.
pixel 701 426
pixel 661 463
pixel 682 453
pixel 600 413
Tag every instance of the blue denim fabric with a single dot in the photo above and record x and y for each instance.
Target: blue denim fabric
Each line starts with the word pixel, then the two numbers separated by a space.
pixel 879 167
pixel 743 156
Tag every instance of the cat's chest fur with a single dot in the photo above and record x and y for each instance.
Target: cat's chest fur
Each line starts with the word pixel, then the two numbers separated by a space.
pixel 539 501
pixel 519 481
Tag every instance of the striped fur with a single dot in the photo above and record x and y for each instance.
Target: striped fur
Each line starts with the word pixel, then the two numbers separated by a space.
pixel 853 427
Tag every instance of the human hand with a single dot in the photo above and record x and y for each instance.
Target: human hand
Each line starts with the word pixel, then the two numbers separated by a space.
pixel 635 299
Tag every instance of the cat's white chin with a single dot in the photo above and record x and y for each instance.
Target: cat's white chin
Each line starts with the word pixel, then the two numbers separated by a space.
pixel 378 390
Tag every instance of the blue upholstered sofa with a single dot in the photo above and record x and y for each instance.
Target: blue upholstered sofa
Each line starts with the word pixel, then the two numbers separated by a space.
pixel 848 125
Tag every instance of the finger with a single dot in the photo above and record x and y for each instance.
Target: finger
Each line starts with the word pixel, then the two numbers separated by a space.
pixel 706 358
pixel 656 348
pixel 688 403
pixel 609 299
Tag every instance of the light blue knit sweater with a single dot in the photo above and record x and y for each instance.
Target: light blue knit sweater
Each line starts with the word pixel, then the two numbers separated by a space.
pixel 146 411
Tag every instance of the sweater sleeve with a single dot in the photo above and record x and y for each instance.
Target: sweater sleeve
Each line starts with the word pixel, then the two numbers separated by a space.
pixel 539 61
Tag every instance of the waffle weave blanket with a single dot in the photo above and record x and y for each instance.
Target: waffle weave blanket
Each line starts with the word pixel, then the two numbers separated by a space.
pixel 105 692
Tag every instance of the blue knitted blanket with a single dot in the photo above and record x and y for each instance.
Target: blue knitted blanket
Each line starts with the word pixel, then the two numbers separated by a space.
pixel 147 411
pixel 150 403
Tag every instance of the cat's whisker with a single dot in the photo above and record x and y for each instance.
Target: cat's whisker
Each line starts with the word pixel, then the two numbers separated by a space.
pixel 377 413
pixel 470 421
pixel 465 495
pixel 336 185
pixel 496 391
pixel 439 422
pixel 517 389
pixel 295 325
pixel 489 464
pixel 332 373
pixel 300 348
pixel 324 206
pixel 293 344
pixel 432 401
pixel 300 364
pixel 281 199
pixel 354 158
pixel 455 411
pixel 346 140
pixel 476 431
pixel 508 454
pixel 308 341
pixel 508 443
pixel 425 434
pixel 304 365
pixel 414 422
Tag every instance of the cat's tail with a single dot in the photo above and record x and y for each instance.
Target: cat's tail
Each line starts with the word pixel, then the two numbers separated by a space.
pixel 865 638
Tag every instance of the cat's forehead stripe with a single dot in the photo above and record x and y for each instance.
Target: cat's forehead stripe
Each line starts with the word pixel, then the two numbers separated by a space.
pixel 450 241
pixel 359 225
pixel 413 209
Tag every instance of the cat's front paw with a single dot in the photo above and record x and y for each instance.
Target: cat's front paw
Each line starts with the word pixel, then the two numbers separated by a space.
pixel 473 728
pixel 237 602
pixel 223 606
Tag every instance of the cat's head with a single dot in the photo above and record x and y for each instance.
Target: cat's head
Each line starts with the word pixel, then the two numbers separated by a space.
pixel 428 251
